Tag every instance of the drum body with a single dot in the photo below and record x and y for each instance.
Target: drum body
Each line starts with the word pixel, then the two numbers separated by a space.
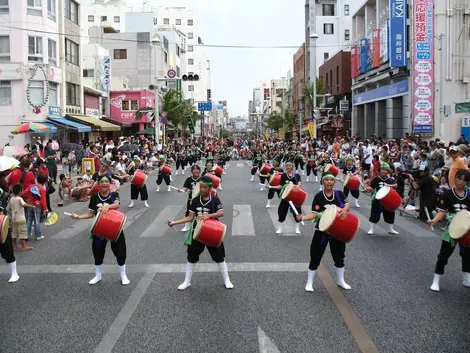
pixel 352 182
pixel 331 169
pixel 108 226
pixel 459 228
pixel 165 169
pixel 139 179
pixel 388 198
pixel 275 179
pixel 210 232
pixel 265 169
pixel 297 196
pixel 197 190
pixel 4 226
pixel 342 230
pixel 215 180
pixel 218 170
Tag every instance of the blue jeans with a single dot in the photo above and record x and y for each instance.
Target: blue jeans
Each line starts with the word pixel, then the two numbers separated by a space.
pixel 33 218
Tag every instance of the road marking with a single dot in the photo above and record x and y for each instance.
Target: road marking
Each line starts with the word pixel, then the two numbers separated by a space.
pixel 240 165
pixel 379 230
pixel 132 216
pixel 288 227
pixel 265 343
pixel 363 340
pixel 158 227
pixel 242 220
pixel 119 324
pixel 75 229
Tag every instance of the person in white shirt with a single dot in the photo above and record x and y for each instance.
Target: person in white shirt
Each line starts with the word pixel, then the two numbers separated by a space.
pixel 368 155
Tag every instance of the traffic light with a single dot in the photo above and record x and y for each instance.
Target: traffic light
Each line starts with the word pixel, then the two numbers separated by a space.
pixel 209 94
pixel 190 125
pixel 190 77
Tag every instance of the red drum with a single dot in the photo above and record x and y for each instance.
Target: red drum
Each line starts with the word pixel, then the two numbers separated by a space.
pixel 459 228
pixel 388 198
pixel 197 190
pixel 265 169
pixel 109 226
pixel 4 226
pixel 112 187
pixel 210 232
pixel 218 170
pixel 139 179
pixel 275 179
pixel 297 196
pixel 331 169
pixel 165 169
pixel 352 182
pixel 215 180
pixel 341 229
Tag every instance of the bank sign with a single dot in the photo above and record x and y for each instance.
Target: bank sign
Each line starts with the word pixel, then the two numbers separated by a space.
pixel 423 66
pixel 398 40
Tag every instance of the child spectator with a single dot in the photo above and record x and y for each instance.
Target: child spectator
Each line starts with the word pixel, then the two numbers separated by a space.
pixel 36 195
pixel 376 165
pixel 16 209
pixel 65 186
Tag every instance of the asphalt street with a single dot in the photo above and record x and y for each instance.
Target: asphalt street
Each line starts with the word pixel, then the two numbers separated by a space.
pixel 390 307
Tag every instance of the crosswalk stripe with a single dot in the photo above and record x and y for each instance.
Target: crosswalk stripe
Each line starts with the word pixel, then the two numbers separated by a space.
pixel 132 216
pixel 242 223
pixel 379 230
pixel 288 227
pixel 158 227
pixel 73 230
pixel 240 165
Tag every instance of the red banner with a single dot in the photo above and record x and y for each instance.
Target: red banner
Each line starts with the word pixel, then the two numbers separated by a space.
pixel 355 61
pixel 376 47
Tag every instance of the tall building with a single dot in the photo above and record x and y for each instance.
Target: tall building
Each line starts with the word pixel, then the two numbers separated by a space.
pixel 298 80
pixel 40 63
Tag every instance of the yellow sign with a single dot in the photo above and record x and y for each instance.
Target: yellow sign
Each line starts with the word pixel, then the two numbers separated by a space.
pixel 282 133
pixel 88 163
pixel 310 128
pixel 266 136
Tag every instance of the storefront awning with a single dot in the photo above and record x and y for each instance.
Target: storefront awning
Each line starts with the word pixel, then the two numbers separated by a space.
pixel 97 124
pixel 52 129
pixel 462 107
pixel 69 124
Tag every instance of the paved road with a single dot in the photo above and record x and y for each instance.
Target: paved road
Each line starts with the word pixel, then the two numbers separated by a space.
pixel 389 309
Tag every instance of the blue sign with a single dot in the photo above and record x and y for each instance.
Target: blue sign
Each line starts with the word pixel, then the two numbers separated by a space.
pixel 54 111
pixel 395 89
pixel 423 46
pixel 204 106
pixel 398 40
pixel 423 55
pixel 164 121
pixel 365 55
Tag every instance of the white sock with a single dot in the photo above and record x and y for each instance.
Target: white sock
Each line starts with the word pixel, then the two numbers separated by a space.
pixel 122 272
pixel 185 228
pixel 189 274
pixel 279 228
pixel 307 179
pixel 357 203
pixel 372 228
pixel 251 178
pixel 131 204
pixel 220 186
pixel 435 283
pixel 182 172
pixel 391 230
pixel 169 189
pixel 262 188
pixel 146 204
pixel 97 277
pixel 176 173
pixel 316 179
pixel 340 278
pixel 297 228
pixel 466 279
pixel 224 272
pixel 268 204
pixel 310 277
pixel 303 172
pixel 14 274
pixel 158 188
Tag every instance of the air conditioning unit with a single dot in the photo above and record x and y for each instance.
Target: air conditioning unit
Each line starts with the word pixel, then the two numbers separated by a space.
pixel 466 79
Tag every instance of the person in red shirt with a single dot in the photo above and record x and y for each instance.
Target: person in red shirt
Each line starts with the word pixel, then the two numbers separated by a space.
pixel 96 157
pixel 36 195
pixel 22 172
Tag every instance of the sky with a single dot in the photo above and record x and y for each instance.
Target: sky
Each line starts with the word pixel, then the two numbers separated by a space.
pixel 235 72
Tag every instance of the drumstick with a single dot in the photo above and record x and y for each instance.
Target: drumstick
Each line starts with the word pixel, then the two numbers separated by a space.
pixel 295 211
pixel 67 214
pixel 171 226
pixel 172 187
pixel 428 216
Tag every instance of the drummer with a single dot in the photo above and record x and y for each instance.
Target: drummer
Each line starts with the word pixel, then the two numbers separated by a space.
pixel 320 240
pixel 263 177
pixel 325 160
pixel 379 181
pixel 289 177
pixel 255 164
pixel 104 201
pixel 135 191
pixel 272 191
pixel 203 207
pixel 453 201
pixel 188 186
pixel 162 176
pixel 349 170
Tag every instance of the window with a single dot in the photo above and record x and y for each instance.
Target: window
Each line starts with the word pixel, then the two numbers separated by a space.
pixel 51 9
pixel 347 34
pixel 326 79
pixel 166 21
pixel 35 49
pixel 346 10
pixel 190 61
pixel 132 105
pixel 5 93
pixel 71 52
pixel 190 35
pixel 166 57
pixel 328 9
pixel 71 11
pixel 104 18
pixel 117 19
pixel 190 73
pixel 120 54
pixel 190 88
pixel 326 56
pixel 4 9
pixel 91 18
pixel 178 51
pixel 337 75
pixel 34 7
pixel 36 92
pixel 178 21
pixel 155 20
pixel 190 22
pixel 328 28
pixel 53 94
pixel 72 94
pixel 88 73
pixel 190 48
pixel 52 52
pixel 5 48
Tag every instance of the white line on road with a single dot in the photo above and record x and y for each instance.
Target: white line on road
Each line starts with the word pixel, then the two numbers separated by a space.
pixel 242 220
pixel 265 343
pixel 132 216
pixel 288 227
pixel 159 225
pixel 72 231
pixel 240 165
pixel 365 224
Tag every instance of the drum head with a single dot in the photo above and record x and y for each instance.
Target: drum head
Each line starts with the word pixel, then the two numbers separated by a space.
pixel 95 220
pixel 287 191
pixel 460 225
pixel 196 191
pixel 122 227
pixel 327 168
pixel 5 224
pixel 327 218
pixel 223 235
pixel 197 229
pixel 348 176
pixel 382 193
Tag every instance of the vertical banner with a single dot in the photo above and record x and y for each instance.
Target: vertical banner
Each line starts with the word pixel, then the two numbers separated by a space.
pixel 107 74
pixel 423 67
pixel 376 48
pixel 384 39
pixel 354 61
pixel 212 128
pixel 310 128
pixel 398 33
pixel 364 55
pixel 202 125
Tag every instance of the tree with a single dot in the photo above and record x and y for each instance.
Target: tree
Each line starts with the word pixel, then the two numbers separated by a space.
pixel 143 111
pixel 275 121
pixel 177 109
pixel 308 95
pixel 290 123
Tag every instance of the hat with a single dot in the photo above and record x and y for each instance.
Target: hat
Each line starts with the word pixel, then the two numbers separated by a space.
pixel 385 166
pixel 136 158
pixel 443 143
pixel 34 190
pixel 422 168
pixel 454 148
pixel 463 148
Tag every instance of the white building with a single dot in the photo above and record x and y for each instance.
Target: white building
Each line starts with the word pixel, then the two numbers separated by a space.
pixel 29 44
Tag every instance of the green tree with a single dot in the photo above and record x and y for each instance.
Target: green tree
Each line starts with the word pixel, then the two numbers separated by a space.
pixel 177 109
pixel 308 95
pixel 291 121
pixel 143 112
pixel 275 121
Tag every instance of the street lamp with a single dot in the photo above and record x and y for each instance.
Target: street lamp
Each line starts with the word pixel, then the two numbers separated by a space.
pixel 313 75
pixel 156 44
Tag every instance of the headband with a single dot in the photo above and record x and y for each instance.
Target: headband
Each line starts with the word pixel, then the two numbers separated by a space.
pixel 328 176
pixel 206 182
pixel 349 158
pixel 103 178
pixel 385 166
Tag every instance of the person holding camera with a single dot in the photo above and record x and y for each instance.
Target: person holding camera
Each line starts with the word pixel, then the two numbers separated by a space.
pixel 427 187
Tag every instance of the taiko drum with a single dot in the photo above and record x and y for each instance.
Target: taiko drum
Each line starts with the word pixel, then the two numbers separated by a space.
pixel 294 194
pixel 4 226
pixel 265 169
pixel 210 232
pixel 275 179
pixel 218 170
pixel 459 228
pixel 139 179
pixel 215 180
pixel 109 226
pixel 352 182
pixel 388 198
pixel 331 169
pixel 165 169
pixel 341 229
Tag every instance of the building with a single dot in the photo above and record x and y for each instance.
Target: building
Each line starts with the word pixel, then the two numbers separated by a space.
pixel 298 81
